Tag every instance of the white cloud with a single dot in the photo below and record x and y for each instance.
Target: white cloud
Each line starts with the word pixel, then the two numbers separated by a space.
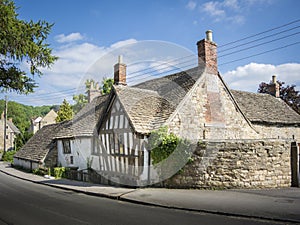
pixel 75 61
pixel 248 77
pixel 233 4
pixel 123 43
pixel 191 5
pixel 232 11
pixel 214 9
pixel 61 38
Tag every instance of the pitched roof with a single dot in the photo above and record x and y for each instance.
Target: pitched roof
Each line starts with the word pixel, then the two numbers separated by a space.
pixel 13 127
pixel 146 109
pixel 39 144
pixel 265 108
pixel 150 104
pixel 84 122
pixel 173 87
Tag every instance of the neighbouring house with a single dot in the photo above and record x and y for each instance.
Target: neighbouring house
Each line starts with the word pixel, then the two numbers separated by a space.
pixel 11 132
pixel 39 122
pixel 41 149
pixel 240 139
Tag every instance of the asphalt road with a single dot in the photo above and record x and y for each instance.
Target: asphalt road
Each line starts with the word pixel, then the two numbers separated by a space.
pixel 23 202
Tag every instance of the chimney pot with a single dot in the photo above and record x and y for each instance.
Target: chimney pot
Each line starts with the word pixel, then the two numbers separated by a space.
pixel 209 35
pixel 274 79
pixel 120 59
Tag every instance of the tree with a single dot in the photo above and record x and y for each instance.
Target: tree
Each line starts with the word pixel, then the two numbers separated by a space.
pixel 65 112
pixel 287 93
pixel 80 101
pixel 22 41
pixel 107 84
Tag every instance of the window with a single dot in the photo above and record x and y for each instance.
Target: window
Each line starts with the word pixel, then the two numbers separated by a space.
pixel 71 160
pixel 66 146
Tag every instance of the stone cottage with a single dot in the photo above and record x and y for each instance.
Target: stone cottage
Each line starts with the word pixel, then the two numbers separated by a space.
pixel 39 122
pixel 41 149
pixel 240 139
pixel 11 132
pixel 195 104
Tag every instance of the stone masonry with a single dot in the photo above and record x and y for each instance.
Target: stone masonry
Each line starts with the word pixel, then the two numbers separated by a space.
pixel 236 164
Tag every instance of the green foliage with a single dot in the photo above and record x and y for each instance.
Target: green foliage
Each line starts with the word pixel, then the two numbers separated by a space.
pixel 21 139
pixel 59 172
pixel 90 83
pixel 65 112
pixel 8 156
pixel 39 171
pixel 107 84
pixel 80 101
pixel 22 41
pixel 21 114
pixel 163 144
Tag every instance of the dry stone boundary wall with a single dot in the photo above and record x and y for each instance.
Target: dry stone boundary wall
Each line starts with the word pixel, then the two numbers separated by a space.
pixel 236 164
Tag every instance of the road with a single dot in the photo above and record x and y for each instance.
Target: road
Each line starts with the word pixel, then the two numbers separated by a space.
pixel 26 203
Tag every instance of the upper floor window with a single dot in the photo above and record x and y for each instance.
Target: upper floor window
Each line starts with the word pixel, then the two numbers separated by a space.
pixel 66 146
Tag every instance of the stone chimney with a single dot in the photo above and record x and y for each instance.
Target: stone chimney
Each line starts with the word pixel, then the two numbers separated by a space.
pixel 207 53
pixel 274 88
pixel 120 72
pixel 93 92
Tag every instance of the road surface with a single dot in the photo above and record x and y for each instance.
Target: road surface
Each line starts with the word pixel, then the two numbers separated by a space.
pixel 26 203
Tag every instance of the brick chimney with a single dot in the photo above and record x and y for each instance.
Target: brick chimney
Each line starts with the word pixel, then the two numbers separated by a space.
pixel 274 88
pixel 120 72
pixel 93 92
pixel 207 53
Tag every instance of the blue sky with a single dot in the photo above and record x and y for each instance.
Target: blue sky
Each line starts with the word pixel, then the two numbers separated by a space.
pixel 85 31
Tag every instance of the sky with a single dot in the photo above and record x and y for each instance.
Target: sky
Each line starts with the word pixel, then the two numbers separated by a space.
pixel 88 36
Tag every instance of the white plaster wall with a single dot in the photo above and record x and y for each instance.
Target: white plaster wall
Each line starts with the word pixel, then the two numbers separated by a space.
pixel 26 164
pixel 80 150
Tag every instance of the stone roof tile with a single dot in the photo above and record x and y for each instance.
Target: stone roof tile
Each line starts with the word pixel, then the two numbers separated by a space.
pixel 265 108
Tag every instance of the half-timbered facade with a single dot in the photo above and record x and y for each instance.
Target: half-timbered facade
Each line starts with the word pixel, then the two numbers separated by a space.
pixel 120 153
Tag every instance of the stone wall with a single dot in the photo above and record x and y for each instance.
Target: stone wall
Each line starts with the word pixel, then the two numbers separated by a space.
pixel 277 131
pixel 236 164
pixel 208 112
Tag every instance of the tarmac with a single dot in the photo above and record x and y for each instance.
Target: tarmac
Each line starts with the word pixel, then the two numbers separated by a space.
pixel 281 205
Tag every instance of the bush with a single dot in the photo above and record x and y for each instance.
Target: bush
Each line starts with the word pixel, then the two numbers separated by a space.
pixel 8 156
pixel 59 172
pixel 169 153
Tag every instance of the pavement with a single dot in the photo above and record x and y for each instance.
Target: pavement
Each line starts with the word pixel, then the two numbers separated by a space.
pixel 282 205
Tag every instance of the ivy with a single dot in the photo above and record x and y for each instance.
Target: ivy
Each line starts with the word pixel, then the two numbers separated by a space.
pixel 163 144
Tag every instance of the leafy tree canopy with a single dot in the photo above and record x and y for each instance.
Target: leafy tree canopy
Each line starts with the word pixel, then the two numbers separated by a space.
pixel 65 112
pixel 22 41
pixel 107 84
pixel 287 93
pixel 81 99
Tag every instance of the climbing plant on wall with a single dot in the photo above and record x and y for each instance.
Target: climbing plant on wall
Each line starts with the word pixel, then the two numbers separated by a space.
pixel 164 144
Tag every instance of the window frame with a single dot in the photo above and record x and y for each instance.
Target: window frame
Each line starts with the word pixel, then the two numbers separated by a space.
pixel 66 146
